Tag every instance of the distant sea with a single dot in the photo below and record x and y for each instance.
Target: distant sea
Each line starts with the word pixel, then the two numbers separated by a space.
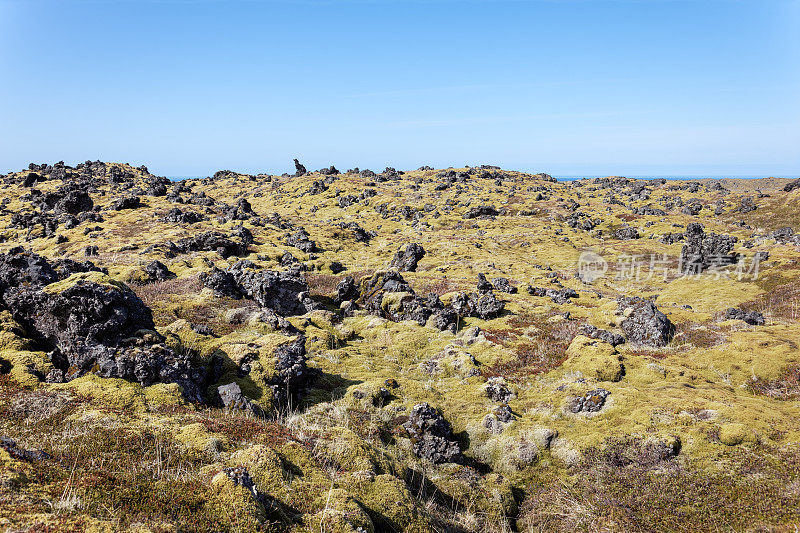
pixel 575 178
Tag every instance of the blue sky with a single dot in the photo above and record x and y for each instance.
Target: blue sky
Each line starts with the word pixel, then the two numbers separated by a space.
pixel 568 87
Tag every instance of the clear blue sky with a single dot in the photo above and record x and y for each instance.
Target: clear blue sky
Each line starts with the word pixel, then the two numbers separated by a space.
pixel 567 87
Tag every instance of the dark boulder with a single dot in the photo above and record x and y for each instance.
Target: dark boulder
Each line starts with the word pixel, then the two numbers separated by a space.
pixel 503 285
pixel 626 233
pixel 31 179
pixel 101 326
pixel 703 250
pixel 158 271
pixel 128 202
pixel 64 268
pixel 792 185
pixel 591 402
pixel 221 282
pixel 232 398
pixel 445 319
pixel 497 390
pixel 301 240
pixel 346 290
pixel 644 324
pixel 300 170
pixel 241 211
pixel 329 171
pixel 559 296
pixel 293 375
pixel 176 216
pixel 785 234
pixel 671 238
pixel 359 233
pixel 286 293
pixel 483 306
pixel 406 260
pixel 212 241
pixel 73 202
pixel 746 205
pixel 18 268
pixel 482 211
pixel 287 259
pixel 157 186
pixel 582 221
pixel 318 187
pixel 593 332
pixel 431 436
pixel 754 318
pixel 19 453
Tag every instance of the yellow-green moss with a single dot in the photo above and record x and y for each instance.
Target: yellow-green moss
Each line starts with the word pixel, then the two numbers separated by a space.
pixel 594 359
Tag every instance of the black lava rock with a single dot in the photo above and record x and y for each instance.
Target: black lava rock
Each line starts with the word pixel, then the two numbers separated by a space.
pixel 431 436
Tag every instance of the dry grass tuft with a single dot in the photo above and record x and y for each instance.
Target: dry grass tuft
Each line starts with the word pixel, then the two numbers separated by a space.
pixel 787 387
pixel 539 344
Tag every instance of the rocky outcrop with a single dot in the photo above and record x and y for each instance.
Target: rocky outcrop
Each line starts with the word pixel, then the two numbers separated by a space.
pixel 292 373
pixel 158 271
pixel 431 435
pixel 176 216
pixel 484 306
pixel 71 199
pixel 241 211
pixel 359 233
pixel 346 290
pixel 497 390
pixel 592 402
pixel 643 324
pixel 91 323
pixel 593 332
pixel 212 241
pixel 754 318
pixel 406 260
pixel 300 170
pixel 232 398
pixel 329 171
pixel 746 205
pixel 785 235
pixel 128 202
pixel 792 185
pixel 626 233
pixel 285 293
pixel 221 282
pixel 579 220
pixel 503 285
pixel 559 296
pixel 301 240
pixel 703 250
pixel 482 211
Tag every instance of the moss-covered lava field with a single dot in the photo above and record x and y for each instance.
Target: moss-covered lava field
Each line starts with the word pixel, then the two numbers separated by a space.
pixel 463 349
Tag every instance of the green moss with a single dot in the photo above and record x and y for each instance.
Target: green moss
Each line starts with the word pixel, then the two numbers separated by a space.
pixel 199 441
pixel 92 277
pixel 388 502
pixel 340 513
pixel 235 506
pixel 594 359
pixel 265 467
